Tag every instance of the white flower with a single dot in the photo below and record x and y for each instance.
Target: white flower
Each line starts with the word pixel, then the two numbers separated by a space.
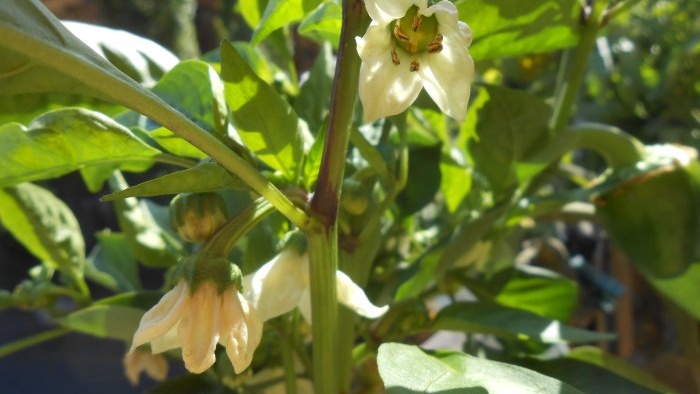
pixel 197 321
pixel 409 46
pixel 283 283
pixel 137 361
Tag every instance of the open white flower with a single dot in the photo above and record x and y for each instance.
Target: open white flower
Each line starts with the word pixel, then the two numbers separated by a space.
pixel 197 321
pixel 282 284
pixel 409 46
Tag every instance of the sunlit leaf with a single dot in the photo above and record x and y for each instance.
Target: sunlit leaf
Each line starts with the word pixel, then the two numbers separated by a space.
pixel 324 23
pixel 67 140
pixel 279 13
pixel 504 28
pixel 268 126
pixel 407 369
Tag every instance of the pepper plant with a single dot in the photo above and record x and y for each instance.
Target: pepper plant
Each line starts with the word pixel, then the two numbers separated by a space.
pixel 324 223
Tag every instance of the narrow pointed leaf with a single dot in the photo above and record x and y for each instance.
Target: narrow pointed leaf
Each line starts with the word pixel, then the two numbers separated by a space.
pixel 491 318
pixel 205 177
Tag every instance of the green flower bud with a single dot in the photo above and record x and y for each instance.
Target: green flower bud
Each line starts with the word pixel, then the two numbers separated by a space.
pixel 653 216
pixel 197 216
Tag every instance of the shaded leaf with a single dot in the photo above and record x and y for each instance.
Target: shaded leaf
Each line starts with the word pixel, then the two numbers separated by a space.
pixel 114 265
pixel 407 369
pixel 424 174
pixel 45 226
pixel 491 318
pixel 105 321
pixel 512 128
pixel 682 290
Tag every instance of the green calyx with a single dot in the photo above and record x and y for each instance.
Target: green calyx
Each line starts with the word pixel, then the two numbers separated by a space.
pixel 417 33
pixel 202 267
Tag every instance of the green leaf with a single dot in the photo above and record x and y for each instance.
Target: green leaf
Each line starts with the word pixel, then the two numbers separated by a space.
pixel 540 291
pixel 683 290
pixel 152 244
pixel 279 13
pixel 252 11
pixel 491 318
pixel 105 321
pixel 265 122
pixel 205 177
pixel 114 265
pixel 195 89
pixel 175 144
pixel 512 128
pixel 504 28
pixel 591 370
pixel 45 226
pixel 324 23
pixel 407 369
pixel 67 140
pixel 424 173
pixel 314 95
pixel 456 182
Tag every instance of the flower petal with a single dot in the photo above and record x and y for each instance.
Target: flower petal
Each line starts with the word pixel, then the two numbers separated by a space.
pixel 352 296
pixel 447 75
pixel 385 88
pixel 241 330
pixel 384 11
pixel 163 316
pixel 275 288
pixel 198 331
pixel 166 342
pixel 305 305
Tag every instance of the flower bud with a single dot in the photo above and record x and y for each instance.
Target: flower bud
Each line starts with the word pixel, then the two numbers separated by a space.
pixel 197 216
pixel 653 217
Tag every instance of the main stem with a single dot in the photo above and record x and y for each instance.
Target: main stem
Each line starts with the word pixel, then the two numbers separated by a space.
pixel 322 233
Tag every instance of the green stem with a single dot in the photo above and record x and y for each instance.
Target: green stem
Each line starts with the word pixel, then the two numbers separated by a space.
pixel 323 256
pixel 287 349
pixel 322 233
pixel 618 148
pixel 566 97
pixel 225 238
pixel 24 343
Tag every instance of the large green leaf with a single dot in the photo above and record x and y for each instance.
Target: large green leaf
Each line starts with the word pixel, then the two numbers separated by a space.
pixel 279 13
pixel 684 290
pixel 205 177
pixel 424 174
pixel 511 127
pixel 491 318
pixel 407 369
pixel 591 370
pixel 105 321
pixel 45 226
pixel 504 28
pixel 194 88
pixel 268 126
pixel 67 140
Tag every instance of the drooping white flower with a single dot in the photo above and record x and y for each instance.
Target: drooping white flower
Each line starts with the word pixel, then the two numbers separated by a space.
pixel 139 360
pixel 197 321
pixel 409 46
pixel 282 284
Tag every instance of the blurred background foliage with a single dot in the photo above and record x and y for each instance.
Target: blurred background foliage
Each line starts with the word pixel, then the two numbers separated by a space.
pixel 643 77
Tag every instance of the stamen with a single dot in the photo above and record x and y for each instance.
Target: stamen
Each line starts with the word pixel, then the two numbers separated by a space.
pixel 400 34
pixel 435 46
pixel 416 22
pixel 395 57
pixel 415 66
